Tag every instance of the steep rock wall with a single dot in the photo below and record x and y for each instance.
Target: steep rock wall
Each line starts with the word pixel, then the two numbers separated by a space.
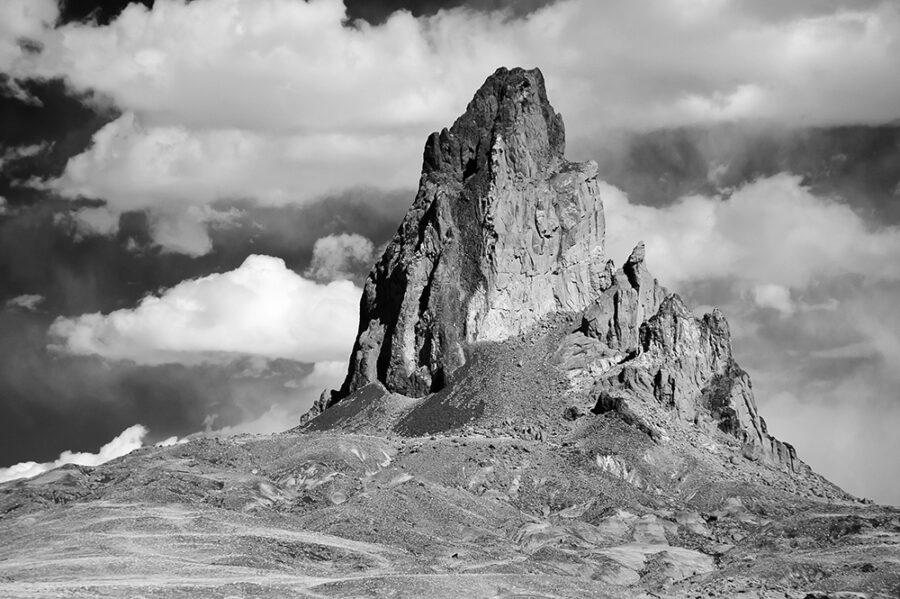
pixel 503 231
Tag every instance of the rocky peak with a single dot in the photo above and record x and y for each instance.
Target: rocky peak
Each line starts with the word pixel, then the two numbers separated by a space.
pixel 511 108
pixel 503 231
pixel 684 371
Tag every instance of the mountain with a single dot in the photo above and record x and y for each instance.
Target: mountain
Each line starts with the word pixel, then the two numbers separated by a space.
pixel 504 233
pixel 520 418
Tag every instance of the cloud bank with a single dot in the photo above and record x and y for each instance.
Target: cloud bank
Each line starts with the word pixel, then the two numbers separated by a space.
pixel 126 442
pixel 773 231
pixel 261 308
pixel 281 101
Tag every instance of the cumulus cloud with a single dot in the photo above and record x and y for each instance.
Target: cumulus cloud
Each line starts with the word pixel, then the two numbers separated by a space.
pixel 773 233
pixel 289 65
pixel 340 257
pixel 281 101
pixel 134 166
pixel 95 221
pixel 126 442
pixel 21 21
pixel 261 309
pixel 775 297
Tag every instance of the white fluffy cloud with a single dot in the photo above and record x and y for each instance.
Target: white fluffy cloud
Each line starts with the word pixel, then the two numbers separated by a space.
pixel 260 309
pixel 126 442
pixel 338 257
pixel 280 101
pixel 772 233
pixel 28 301
pixel 284 65
pixel 22 19
pixel 134 166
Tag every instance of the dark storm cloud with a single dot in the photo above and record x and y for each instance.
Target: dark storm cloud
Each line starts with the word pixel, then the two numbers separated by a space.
pixel 96 11
pixel 373 11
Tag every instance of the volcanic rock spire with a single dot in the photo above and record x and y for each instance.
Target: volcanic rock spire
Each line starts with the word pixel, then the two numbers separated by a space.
pixel 502 232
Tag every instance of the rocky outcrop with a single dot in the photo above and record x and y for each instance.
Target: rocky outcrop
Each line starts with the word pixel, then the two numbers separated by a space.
pixel 629 297
pixel 502 232
pixel 685 366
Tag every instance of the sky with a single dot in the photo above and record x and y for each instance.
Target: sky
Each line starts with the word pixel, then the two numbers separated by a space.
pixel 191 195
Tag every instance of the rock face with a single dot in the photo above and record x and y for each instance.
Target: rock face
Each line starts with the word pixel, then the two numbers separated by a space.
pixel 502 232
pixel 629 297
pixel 505 232
pixel 684 366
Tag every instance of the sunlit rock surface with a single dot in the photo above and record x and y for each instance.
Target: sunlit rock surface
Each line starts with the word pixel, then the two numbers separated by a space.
pixel 503 231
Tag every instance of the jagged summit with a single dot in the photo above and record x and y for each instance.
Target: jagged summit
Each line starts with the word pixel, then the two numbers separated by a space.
pixel 504 234
pixel 503 231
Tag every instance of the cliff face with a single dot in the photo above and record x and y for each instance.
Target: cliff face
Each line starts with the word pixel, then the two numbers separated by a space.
pixel 683 370
pixel 502 232
pixel 505 232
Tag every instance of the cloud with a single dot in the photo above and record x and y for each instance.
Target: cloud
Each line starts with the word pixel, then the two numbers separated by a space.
pixel 259 309
pixel 341 257
pixel 29 301
pixel 22 20
pixel 775 297
pixel 134 166
pixel 13 154
pixel 293 66
pixel 771 232
pixel 281 101
pixel 129 440
pixel 181 231
pixel 859 453
pixel 95 221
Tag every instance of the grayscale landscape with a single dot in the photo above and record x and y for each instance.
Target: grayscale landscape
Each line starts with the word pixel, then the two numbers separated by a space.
pixel 521 417
pixel 402 299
